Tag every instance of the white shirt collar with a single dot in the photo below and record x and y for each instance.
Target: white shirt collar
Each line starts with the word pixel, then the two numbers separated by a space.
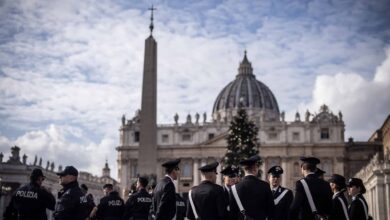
pixel 275 188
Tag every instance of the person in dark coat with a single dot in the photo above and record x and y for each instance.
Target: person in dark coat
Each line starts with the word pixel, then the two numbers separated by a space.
pixel 164 195
pixel 208 198
pixel 320 173
pixel 181 208
pixel 283 197
pixel 340 203
pixel 111 207
pixel 358 209
pixel 31 200
pixel 319 190
pixel 71 203
pixel 230 178
pixel 90 201
pixel 138 205
pixel 255 194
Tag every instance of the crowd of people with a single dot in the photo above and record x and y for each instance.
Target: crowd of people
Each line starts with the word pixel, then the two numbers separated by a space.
pixel 239 197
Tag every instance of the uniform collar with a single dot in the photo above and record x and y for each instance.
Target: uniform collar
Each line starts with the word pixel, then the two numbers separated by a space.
pixel 206 181
pixel 357 195
pixel 309 174
pixel 169 177
pixel 71 185
pixel 275 188
pixel 336 194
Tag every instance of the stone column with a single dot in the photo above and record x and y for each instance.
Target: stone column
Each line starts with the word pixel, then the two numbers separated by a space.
pixel 287 171
pixel 159 171
pixel 195 172
pixel 387 196
pixel 124 165
pixel 380 192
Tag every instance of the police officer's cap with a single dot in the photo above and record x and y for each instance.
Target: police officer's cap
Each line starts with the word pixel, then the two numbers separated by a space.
pixel 69 170
pixel 319 172
pixel 250 161
pixel 275 171
pixel 171 163
pixel 230 171
pixel 310 160
pixel 338 180
pixel 108 185
pixel 358 183
pixel 37 173
pixel 143 181
pixel 83 186
pixel 212 167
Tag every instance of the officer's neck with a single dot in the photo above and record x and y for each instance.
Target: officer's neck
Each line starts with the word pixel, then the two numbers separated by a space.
pixel 70 184
pixel 307 173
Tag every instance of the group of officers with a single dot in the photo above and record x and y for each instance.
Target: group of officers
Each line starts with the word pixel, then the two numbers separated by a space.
pixel 238 198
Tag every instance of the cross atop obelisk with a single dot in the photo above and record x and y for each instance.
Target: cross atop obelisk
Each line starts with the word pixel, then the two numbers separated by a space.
pixel 151 26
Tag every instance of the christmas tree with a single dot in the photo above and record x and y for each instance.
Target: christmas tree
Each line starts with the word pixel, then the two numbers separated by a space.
pixel 242 139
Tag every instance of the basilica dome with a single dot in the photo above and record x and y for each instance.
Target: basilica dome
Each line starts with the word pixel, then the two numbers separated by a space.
pixel 250 93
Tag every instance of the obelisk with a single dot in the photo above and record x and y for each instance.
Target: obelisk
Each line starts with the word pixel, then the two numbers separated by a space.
pixel 147 158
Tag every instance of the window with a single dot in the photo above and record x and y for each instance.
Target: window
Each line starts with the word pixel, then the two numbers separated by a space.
pixel 186 137
pixel 295 136
pixel 165 138
pixel 134 170
pixel 136 136
pixel 272 136
pixel 187 170
pixel 211 136
pixel 324 133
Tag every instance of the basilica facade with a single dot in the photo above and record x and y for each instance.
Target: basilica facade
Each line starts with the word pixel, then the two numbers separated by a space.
pixel 199 140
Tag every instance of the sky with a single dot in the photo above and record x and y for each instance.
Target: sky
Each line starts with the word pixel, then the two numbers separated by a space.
pixel 70 69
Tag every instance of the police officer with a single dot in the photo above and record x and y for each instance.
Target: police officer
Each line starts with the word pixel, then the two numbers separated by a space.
pixel 319 190
pixel 207 200
pixel 164 195
pixel 111 206
pixel 283 197
pixel 31 200
pixel 230 177
pixel 90 201
pixel 181 208
pixel 138 205
pixel 358 210
pixel 320 173
pixel 254 194
pixel 71 203
pixel 340 203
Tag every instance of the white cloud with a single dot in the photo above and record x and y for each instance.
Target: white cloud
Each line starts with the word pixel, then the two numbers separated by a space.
pixel 65 145
pixel 364 103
